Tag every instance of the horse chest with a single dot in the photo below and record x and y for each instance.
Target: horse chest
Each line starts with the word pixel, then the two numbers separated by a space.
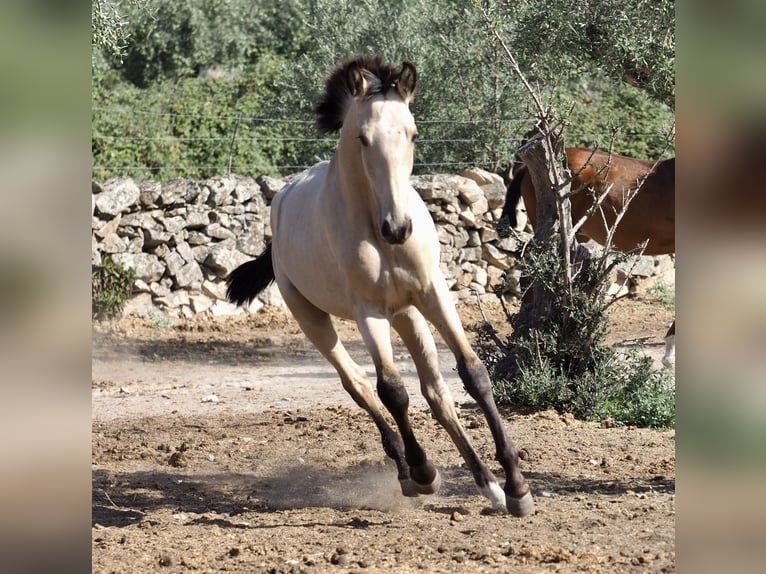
pixel 376 268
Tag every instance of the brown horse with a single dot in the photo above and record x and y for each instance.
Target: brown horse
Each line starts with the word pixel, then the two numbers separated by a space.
pixel 652 212
pixel 650 216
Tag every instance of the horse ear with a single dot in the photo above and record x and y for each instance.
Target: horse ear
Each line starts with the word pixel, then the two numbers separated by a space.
pixel 406 83
pixel 355 80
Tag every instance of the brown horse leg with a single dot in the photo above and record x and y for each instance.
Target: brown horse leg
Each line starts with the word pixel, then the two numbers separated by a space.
pixel 318 327
pixel 376 333
pixel 441 312
pixel 670 347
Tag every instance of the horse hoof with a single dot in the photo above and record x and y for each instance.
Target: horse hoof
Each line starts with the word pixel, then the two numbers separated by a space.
pixel 409 488
pixel 431 488
pixel 521 507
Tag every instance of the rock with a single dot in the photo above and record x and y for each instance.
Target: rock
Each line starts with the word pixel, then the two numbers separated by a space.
pixel 189 276
pixel 269 186
pixel 174 262
pixel 180 191
pixel 113 243
pixel 223 261
pixel 468 190
pixel 148 267
pixel 118 196
pixel 482 177
pixel 494 256
pixel 196 219
pixel 224 309
pixel 200 303
pixel 220 189
pixel 272 296
pixel 109 227
pixel 149 193
pixel 188 236
pixel 218 231
pixel 140 305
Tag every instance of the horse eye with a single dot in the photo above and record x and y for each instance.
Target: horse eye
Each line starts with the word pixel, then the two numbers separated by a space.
pixel 363 140
pixel 414 136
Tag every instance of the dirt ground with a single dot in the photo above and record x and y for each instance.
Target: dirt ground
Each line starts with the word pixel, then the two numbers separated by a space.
pixel 229 445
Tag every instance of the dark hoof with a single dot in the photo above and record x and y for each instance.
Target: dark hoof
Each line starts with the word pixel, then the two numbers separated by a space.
pixel 431 488
pixel 409 487
pixel 521 507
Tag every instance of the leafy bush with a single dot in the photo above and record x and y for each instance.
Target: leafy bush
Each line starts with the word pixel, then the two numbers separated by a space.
pixel 624 389
pixel 111 287
pixel 564 362
pixel 608 112
pixel 198 126
pixel 662 294
pixel 156 114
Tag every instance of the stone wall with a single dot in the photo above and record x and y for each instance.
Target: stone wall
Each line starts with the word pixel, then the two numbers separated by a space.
pixel 184 237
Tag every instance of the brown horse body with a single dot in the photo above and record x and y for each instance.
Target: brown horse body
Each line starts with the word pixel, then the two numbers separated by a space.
pixel 651 214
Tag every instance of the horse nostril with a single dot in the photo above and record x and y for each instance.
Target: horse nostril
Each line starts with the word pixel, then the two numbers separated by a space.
pixel 396 235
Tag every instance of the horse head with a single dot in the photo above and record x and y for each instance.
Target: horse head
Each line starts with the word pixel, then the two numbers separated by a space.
pixel 368 102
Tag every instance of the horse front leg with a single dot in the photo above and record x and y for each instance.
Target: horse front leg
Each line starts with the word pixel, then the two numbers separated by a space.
pixel 318 327
pixel 376 332
pixel 415 333
pixel 439 309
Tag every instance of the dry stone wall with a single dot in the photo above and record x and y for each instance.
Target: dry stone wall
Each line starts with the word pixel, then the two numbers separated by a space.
pixel 184 237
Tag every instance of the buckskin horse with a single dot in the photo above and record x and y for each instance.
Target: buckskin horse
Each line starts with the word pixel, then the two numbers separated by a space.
pixel 650 215
pixel 352 238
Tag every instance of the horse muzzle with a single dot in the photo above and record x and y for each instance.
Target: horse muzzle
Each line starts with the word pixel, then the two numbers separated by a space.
pixel 396 234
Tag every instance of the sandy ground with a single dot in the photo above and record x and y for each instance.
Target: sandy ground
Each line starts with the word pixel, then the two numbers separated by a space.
pixel 229 445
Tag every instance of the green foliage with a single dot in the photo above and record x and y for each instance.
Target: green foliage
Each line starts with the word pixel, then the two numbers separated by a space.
pixel 631 40
pixel 614 115
pixel 171 40
pixel 662 294
pixel 200 126
pixel 625 389
pixel 111 287
pixel 109 27
pixel 564 363
pixel 269 59
pixel 469 111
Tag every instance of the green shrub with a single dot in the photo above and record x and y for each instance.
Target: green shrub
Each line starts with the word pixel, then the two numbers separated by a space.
pixel 111 287
pixel 625 389
pixel 155 117
pixel 661 294
pixel 564 362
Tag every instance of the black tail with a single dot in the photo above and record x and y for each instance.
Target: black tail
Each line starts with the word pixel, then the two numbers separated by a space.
pixel 512 196
pixel 249 279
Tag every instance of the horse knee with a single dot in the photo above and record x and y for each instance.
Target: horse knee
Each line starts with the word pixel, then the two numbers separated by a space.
pixel 392 392
pixel 475 377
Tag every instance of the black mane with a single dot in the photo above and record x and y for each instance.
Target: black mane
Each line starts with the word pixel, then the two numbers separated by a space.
pixel 331 108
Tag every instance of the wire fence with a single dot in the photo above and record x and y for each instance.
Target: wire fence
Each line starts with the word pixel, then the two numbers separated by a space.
pixel 168 144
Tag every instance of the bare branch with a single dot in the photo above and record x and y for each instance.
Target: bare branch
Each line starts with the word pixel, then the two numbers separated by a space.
pixel 490 328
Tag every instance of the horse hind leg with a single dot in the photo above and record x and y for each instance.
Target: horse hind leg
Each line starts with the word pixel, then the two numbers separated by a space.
pixel 318 328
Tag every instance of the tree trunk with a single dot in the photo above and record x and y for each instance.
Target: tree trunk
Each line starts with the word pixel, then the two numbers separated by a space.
pixel 553 219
